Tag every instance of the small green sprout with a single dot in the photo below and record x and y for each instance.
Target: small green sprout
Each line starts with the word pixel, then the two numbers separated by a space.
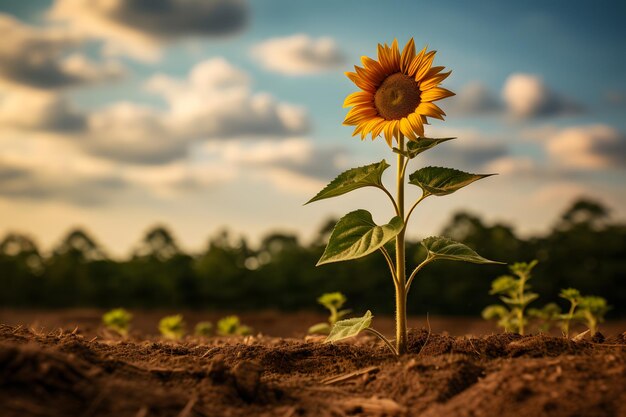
pixel 513 291
pixel 548 315
pixel 204 328
pixel 333 301
pixel 231 325
pixel 118 320
pixel 589 309
pixel 172 327
pixel 593 309
pixel 573 296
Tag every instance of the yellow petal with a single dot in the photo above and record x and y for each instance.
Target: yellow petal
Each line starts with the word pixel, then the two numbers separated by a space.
pixel 361 83
pixel 391 130
pixel 415 64
pixel 407 129
pixel 430 109
pixel 433 81
pixel 436 93
pixel 368 127
pixel 366 75
pixel 378 128
pixel 425 65
pixel 395 56
pixel 360 97
pixel 416 124
pixel 408 53
pixel 353 119
pixel 383 58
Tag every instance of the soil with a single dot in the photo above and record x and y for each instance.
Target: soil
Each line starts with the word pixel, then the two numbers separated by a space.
pixel 71 373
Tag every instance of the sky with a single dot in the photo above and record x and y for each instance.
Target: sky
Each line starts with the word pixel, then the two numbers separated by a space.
pixel 118 115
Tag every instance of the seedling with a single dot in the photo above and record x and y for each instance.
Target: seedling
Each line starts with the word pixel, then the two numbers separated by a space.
pixel 513 291
pixel 573 296
pixel 231 325
pixel 397 96
pixel 589 309
pixel 333 301
pixel 593 310
pixel 547 316
pixel 172 327
pixel 204 328
pixel 118 320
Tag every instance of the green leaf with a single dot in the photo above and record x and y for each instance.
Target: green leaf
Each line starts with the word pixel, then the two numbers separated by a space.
pixel 443 248
pixel 442 181
pixel 332 300
pixel 352 179
pixel 503 285
pixel 342 313
pixel 356 235
pixel 319 328
pixel 494 311
pixel 344 329
pixel 414 148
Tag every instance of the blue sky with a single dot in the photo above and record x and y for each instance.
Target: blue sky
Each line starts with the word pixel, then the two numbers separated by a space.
pixel 116 134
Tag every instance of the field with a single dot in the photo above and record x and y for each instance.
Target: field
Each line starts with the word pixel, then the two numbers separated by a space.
pixel 64 364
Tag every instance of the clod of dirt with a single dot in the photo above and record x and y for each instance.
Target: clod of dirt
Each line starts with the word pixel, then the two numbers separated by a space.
pixel 247 378
pixel 541 346
pixel 218 371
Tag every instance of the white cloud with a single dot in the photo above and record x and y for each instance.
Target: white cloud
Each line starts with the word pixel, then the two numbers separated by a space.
pixel 471 150
pixel 45 111
pixel 508 165
pixel 44 168
pixel 36 58
pixel 138 28
pixel 214 102
pixel 588 147
pixel 474 98
pixel 298 54
pixel 527 96
pixel 295 164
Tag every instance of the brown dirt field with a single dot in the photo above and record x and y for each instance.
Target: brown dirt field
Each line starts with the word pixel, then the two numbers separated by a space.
pixel 271 323
pixel 63 373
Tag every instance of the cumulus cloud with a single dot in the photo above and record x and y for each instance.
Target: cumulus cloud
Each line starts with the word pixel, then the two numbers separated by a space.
pixel 37 182
pixel 37 58
pixel 298 54
pixel 294 164
pixel 472 150
pixel 137 27
pixel 527 96
pixel 508 165
pixel 39 111
pixel 474 98
pixel 588 147
pixel 214 102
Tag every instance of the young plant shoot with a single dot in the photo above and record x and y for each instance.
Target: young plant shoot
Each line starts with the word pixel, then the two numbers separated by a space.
pixel 589 309
pixel 231 326
pixel 203 329
pixel 333 301
pixel 547 316
pixel 513 291
pixel 172 327
pixel 397 96
pixel 118 320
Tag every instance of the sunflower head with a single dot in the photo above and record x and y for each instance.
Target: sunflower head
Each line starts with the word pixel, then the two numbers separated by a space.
pixel 397 94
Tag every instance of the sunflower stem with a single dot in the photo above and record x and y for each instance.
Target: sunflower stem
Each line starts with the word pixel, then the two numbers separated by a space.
pixel 400 281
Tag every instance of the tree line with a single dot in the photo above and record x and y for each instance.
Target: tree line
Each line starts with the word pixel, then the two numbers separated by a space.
pixel 584 249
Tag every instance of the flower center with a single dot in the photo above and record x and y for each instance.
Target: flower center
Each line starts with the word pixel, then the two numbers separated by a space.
pixel 397 97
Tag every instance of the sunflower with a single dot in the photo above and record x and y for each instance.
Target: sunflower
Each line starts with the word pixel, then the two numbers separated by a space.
pixel 398 93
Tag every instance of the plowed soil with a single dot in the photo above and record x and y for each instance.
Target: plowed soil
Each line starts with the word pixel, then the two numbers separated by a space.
pixel 72 374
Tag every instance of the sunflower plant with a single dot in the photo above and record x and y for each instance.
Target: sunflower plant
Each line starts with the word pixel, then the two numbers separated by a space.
pixel 398 95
